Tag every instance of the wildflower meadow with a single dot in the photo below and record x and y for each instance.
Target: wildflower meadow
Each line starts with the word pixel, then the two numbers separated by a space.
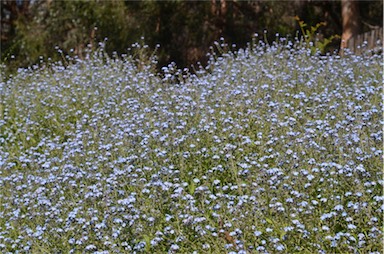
pixel 268 149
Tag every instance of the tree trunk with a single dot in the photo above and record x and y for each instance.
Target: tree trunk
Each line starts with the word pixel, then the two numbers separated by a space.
pixel 350 15
pixel 218 8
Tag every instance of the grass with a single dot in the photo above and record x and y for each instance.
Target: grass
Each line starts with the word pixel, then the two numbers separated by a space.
pixel 269 149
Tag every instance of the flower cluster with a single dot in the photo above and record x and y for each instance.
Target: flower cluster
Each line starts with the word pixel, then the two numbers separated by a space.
pixel 268 150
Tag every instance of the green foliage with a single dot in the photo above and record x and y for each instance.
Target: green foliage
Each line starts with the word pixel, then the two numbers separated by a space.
pixel 71 26
pixel 184 29
pixel 310 36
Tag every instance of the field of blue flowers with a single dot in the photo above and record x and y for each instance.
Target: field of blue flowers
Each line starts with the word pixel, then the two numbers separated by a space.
pixel 267 150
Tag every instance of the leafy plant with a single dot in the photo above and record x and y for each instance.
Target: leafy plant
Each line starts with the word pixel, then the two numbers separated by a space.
pixel 311 38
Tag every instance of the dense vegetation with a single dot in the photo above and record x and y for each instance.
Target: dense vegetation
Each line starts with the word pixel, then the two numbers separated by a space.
pixel 270 149
pixel 184 29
